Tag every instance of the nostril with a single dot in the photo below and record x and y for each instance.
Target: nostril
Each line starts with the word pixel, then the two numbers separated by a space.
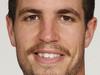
pixel 51 37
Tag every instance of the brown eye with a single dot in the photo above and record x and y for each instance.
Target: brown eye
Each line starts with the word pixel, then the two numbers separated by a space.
pixel 65 18
pixel 31 18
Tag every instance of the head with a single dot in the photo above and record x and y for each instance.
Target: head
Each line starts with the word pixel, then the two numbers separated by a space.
pixel 50 36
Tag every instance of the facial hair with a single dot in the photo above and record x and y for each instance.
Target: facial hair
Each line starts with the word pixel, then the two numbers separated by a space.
pixel 48 70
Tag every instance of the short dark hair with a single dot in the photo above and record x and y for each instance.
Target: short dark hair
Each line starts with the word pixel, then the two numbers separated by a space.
pixel 12 6
pixel 88 7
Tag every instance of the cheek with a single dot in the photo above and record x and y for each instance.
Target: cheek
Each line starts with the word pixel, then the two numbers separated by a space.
pixel 26 35
pixel 73 38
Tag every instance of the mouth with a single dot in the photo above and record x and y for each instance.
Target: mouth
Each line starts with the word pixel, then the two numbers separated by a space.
pixel 48 53
pixel 45 56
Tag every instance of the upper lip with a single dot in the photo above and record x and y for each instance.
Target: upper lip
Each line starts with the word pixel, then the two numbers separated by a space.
pixel 51 51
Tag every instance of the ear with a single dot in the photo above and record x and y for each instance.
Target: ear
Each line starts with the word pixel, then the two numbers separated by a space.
pixel 91 26
pixel 10 29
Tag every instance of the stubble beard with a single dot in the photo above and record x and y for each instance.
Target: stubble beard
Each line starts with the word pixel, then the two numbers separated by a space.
pixel 50 71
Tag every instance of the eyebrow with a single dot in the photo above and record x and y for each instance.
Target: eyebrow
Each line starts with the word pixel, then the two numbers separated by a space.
pixel 27 10
pixel 60 11
pixel 69 10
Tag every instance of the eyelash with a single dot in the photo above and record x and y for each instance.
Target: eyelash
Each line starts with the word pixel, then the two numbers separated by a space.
pixel 65 18
pixel 31 18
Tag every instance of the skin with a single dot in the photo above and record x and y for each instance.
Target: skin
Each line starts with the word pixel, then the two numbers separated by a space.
pixel 48 24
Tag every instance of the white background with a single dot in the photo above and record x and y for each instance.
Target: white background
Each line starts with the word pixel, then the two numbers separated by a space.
pixel 8 61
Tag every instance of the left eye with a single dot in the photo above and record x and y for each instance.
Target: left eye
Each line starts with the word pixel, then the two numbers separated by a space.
pixel 66 18
pixel 31 18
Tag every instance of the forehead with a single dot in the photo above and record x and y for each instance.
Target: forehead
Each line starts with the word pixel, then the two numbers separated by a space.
pixel 49 4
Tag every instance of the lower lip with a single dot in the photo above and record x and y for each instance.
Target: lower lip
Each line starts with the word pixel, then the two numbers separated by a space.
pixel 48 60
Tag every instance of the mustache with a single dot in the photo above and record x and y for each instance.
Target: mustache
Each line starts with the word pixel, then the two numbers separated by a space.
pixel 50 45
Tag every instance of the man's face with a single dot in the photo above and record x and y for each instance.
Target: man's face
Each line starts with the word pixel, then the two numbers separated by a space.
pixel 49 36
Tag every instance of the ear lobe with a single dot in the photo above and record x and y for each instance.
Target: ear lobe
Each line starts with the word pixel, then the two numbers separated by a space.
pixel 91 26
pixel 10 30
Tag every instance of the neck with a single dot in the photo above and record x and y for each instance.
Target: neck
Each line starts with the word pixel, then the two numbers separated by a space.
pixel 82 70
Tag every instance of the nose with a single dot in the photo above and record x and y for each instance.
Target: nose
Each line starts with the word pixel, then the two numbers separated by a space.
pixel 48 32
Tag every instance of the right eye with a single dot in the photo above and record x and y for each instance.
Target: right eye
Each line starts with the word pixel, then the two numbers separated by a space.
pixel 31 18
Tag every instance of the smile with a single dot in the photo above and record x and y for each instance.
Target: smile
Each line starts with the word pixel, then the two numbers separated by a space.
pixel 48 56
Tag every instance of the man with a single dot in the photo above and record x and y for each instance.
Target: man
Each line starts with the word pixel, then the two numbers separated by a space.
pixel 50 36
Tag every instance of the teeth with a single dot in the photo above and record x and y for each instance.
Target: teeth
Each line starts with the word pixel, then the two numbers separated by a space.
pixel 48 55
